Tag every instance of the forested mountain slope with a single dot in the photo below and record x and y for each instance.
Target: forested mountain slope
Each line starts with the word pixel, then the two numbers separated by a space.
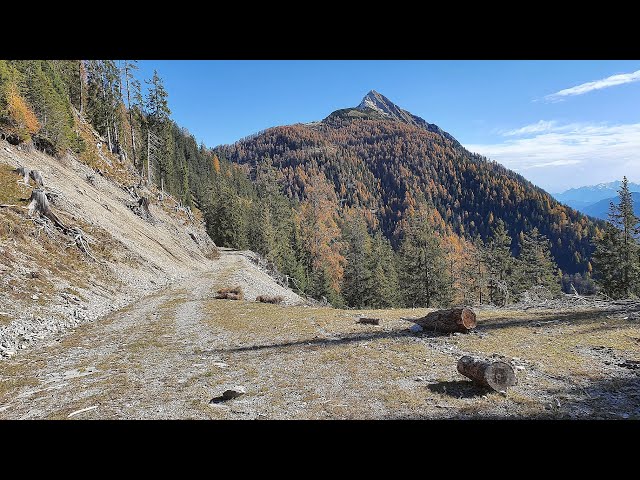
pixel 381 160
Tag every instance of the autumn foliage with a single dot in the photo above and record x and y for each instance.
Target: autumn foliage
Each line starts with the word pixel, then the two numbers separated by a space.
pixel 388 169
pixel 21 115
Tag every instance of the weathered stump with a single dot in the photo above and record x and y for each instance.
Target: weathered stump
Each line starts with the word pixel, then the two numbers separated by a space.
pixel 495 375
pixel 449 321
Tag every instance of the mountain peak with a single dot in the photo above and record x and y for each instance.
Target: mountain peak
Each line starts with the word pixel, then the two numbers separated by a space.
pixel 382 104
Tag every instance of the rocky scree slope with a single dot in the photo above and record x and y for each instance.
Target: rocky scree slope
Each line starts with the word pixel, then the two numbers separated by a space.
pixel 47 283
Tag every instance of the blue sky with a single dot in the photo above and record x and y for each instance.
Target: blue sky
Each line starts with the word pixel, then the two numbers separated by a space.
pixel 561 124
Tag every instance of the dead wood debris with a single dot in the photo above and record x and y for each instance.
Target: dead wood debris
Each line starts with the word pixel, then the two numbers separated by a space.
pixel 230 293
pixel 275 299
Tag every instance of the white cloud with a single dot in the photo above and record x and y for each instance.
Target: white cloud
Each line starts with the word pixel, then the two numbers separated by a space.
pixel 540 126
pixel 558 156
pixel 583 88
pixel 555 163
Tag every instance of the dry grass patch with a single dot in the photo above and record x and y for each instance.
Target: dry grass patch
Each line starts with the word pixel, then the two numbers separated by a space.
pixel 12 190
pixel 13 378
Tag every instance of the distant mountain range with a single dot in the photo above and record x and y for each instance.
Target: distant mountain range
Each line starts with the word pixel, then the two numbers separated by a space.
pixel 594 200
pixel 601 209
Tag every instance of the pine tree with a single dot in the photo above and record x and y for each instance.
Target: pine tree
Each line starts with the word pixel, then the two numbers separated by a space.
pixel 357 282
pixel 617 256
pixel 320 235
pixel 158 112
pixel 262 237
pixel 225 218
pixel 478 270
pixel 425 274
pixel 534 265
pixel 132 90
pixel 103 99
pixel 500 265
pixel 385 288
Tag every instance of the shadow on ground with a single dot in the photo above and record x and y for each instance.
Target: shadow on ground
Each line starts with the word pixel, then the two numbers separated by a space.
pixel 458 389
pixel 552 319
pixel 616 398
pixel 329 341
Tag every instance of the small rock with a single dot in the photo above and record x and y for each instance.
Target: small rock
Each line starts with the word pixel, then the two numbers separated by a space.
pixel 419 379
pixel 519 367
pixel 415 328
pixel 34 297
pixel 220 364
pixel 625 415
pixel 233 392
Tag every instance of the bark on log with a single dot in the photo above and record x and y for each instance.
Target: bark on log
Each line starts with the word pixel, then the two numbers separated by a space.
pixel 495 375
pixel 449 321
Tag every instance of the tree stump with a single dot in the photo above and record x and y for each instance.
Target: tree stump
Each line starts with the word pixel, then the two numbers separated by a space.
pixel 449 321
pixel 497 376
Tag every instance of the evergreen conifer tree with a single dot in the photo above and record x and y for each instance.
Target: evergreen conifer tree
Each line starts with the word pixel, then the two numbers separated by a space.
pixel 617 256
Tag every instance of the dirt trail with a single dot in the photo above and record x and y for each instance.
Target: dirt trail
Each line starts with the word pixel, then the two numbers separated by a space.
pixel 138 362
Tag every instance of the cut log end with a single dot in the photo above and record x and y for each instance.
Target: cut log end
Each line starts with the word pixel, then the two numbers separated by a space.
pixel 500 376
pixel 468 318
pixel 495 375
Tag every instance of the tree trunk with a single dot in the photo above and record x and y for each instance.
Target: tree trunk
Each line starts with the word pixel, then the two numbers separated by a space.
pixel 133 139
pixel 149 157
pixel 495 375
pixel 80 75
pixel 449 321
pixel 39 203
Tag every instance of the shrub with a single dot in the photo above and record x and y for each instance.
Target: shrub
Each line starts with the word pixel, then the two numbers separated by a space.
pixel 275 299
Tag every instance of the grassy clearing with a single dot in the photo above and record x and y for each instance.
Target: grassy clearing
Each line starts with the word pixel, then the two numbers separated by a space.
pixel 406 376
pixel 12 192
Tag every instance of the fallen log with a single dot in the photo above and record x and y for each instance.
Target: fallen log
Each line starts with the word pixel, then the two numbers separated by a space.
pixel 370 321
pixel 495 375
pixel 448 321
pixel 227 293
